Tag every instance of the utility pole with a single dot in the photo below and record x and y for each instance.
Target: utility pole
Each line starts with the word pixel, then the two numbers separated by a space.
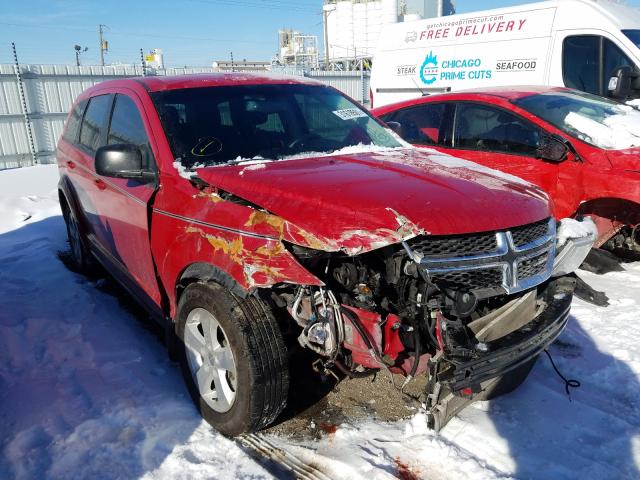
pixel 326 10
pixel 104 46
pixel 232 67
pixel 325 14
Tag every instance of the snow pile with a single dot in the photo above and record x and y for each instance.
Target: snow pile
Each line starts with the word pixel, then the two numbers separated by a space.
pixel 635 103
pixel 185 172
pixel 182 170
pixel 350 150
pixel 253 166
pixel 619 131
pixel 86 390
pixel 255 163
pixel 571 228
pixel 27 195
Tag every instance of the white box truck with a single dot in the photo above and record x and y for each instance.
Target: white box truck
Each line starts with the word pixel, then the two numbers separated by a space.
pixel 572 43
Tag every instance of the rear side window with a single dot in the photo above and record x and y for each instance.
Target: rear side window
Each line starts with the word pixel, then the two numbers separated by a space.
pixel 480 127
pixel 422 125
pixel 95 120
pixel 73 124
pixel 127 127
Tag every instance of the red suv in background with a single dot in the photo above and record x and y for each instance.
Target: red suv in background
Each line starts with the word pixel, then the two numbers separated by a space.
pixel 254 215
pixel 582 149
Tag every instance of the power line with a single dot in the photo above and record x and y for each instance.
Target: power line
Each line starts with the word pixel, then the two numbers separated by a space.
pixel 40 25
pixel 271 5
pixel 138 35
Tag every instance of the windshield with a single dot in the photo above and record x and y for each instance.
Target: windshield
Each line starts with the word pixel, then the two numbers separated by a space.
pixel 214 125
pixel 634 36
pixel 595 120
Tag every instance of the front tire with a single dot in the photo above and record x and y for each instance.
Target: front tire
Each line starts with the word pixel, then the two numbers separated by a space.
pixel 233 358
pixel 80 254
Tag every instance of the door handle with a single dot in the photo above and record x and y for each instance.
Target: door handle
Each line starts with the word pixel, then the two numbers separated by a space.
pixel 70 164
pixel 100 184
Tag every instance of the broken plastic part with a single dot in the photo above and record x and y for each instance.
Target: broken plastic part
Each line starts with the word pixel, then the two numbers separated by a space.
pixel 575 240
pixel 506 319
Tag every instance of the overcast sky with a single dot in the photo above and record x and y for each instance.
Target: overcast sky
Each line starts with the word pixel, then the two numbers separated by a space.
pixel 191 32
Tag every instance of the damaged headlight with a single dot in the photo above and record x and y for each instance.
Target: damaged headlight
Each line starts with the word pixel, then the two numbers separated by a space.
pixel 574 240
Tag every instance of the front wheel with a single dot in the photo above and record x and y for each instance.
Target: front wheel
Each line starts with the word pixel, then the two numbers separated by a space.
pixel 233 358
pixel 80 255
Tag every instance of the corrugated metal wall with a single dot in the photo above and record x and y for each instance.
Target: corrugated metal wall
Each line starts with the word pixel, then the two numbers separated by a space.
pixel 49 91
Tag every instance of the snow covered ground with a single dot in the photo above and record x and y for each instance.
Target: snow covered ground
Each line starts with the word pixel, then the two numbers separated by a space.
pixel 86 391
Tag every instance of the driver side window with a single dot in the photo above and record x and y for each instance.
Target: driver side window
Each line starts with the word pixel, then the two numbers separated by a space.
pixel 127 127
pixel 485 128
pixel 613 58
pixel 589 60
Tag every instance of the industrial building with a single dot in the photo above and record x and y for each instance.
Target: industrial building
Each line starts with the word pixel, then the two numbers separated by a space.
pixel 352 27
pixel 297 49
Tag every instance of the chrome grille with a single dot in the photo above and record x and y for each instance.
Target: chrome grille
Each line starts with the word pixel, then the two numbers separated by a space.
pixel 458 245
pixel 532 266
pixel 528 233
pixel 470 279
pixel 513 260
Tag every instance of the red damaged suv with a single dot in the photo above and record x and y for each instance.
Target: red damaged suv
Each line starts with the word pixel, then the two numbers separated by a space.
pixel 582 149
pixel 253 215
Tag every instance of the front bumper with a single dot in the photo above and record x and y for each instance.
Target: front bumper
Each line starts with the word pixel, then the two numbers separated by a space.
pixel 513 350
pixel 575 239
pixel 454 383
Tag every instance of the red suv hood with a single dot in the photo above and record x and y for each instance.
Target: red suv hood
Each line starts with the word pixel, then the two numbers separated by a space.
pixel 358 202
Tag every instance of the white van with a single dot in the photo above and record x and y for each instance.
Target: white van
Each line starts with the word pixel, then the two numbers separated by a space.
pixel 573 43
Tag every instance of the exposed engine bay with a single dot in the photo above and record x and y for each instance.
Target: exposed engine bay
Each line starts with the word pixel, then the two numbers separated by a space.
pixel 461 309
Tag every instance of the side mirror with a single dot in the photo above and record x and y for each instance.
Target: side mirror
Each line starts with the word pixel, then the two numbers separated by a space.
pixel 395 126
pixel 620 83
pixel 552 149
pixel 121 161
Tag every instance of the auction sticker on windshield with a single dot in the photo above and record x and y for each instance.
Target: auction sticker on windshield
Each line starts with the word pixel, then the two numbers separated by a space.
pixel 349 113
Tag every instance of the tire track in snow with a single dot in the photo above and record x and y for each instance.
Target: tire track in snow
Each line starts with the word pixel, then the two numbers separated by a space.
pixel 290 462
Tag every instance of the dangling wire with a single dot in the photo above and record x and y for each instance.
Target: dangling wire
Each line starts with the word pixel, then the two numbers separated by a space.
pixel 571 383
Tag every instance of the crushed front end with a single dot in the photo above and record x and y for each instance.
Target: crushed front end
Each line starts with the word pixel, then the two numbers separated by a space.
pixel 464 310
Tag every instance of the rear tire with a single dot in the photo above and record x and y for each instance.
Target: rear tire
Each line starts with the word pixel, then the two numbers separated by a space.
pixel 233 358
